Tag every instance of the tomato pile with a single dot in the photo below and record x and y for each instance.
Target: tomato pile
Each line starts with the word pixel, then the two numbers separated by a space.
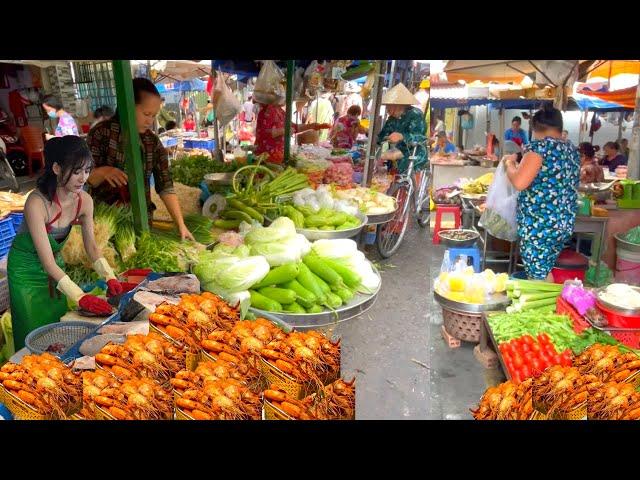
pixel 526 356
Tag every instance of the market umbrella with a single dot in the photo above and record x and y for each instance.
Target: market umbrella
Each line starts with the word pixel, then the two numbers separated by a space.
pixel 179 70
pixel 193 85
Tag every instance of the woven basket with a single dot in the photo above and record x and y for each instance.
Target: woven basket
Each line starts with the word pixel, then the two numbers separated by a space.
pixel 463 326
pixel 23 411
pixel 67 333
pixel 4 293
pixel 182 415
pixel 271 412
pixel 536 415
pixel 634 379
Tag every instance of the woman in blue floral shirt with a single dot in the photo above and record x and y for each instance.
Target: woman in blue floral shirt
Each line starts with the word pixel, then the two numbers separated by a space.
pixel 405 124
pixel 548 178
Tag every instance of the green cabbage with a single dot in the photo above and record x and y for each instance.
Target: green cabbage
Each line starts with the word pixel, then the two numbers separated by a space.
pixel 281 229
pixel 278 253
pixel 233 273
pixel 242 297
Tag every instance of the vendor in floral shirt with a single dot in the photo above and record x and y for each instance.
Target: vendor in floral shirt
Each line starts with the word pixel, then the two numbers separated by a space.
pixel 66 124
pixel 346 128
pixel 270 131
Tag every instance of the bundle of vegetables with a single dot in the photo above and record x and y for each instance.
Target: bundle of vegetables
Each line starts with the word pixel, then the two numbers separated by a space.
pixel 344 253
pixel 323 198
pixel 162 254
pixel 561 389
pixel 250 202
pixel 591 336
pixel 613 401
pixel 369 201
pixel 279 243
pixel 532 295
pixel 323 219
pixel 559 328
pixel 608 363
pixel 527 356
pixel 190 170
pixel 507 401
pixel 199 225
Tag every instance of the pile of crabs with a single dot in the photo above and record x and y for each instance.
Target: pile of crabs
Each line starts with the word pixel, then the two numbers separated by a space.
pixel 149 376
pixel 601 383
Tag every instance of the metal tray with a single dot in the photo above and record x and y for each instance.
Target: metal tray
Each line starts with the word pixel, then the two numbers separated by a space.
pixel 447 242
pixel 359 304
pixel 219 178
pixel 622 311
pixel 499 301
pixel 312 234
pixel 381 218
pixel 631 247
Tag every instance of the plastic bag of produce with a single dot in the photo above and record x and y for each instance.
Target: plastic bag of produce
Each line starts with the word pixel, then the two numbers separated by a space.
pixel 499 217
pixel 633 236
pixel 227 105
pixel 268 88
pixel 604 278
pixel 340 174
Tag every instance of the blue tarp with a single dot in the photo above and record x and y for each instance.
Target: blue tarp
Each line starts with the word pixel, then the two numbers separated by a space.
pixel 596 104
pixel 457 102
pixel 194 85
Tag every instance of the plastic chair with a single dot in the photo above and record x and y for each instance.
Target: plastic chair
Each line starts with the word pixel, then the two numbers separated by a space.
pixel 33 145
pixel 473 252
pixel 440 209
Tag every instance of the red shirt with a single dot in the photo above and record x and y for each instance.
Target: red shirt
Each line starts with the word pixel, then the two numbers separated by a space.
pixel 189 125
pixel 270 117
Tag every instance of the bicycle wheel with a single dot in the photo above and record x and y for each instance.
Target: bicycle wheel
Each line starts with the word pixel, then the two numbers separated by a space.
pixel 389 235
pixel 421 205
pixel 6 172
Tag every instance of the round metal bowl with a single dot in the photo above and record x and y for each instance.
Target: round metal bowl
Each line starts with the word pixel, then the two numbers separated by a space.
pixel 381 218
pixel 624 245
pixel 449 242
pixel 219 178
pixel 631 312
pixel 499 301
pixel 312 234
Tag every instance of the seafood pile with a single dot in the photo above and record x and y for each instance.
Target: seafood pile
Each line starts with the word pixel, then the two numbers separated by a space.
pixel 220 400
pixel 607 363
pixel 148 356
pixel 337 401
pixel 134 399
pixel 562 389
pixel 45 384
pixel 613 401
pixel 207 372
pixel 507 401
pixel 93 382
pixel 194 317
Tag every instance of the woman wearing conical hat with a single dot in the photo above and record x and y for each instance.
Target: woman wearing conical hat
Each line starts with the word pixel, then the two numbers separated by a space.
pixel 405 124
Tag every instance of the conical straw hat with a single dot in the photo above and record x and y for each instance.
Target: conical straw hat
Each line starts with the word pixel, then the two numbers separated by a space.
pixel 399 95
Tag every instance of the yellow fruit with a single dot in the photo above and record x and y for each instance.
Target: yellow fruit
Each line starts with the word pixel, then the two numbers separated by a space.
pixel 456 283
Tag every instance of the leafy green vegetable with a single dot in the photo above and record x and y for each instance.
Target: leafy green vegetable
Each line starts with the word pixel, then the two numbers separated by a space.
pixel 506 327
pixel 591 336
pixel 192 169
pixel 8 349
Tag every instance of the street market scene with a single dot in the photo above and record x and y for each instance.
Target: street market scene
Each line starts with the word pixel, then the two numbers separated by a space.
pixel 214 239
pixel 535 221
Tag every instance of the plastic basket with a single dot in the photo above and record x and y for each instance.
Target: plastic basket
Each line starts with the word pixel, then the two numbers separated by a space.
pixel 17 219
pixel 67 333
pixel 7 234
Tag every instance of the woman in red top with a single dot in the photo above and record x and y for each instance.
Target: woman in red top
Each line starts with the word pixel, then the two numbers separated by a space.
pixel 346 128
pixel 270 131
pixel 189 124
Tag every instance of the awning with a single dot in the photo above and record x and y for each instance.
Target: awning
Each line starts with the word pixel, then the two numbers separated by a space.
pixel 500 71
pixel 588 102
pixel 611 68
pixel 625 97
pixel 179 70
pixel 194 85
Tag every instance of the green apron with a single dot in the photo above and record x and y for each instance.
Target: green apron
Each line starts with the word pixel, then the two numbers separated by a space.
pixel 35 301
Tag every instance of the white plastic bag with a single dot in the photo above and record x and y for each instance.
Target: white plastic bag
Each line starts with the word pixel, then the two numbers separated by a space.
pixel 227 105
pixel 499 217
pixel 269 87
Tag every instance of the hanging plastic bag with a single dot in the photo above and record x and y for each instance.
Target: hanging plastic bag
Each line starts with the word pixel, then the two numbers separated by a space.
pixel 268 87
pixel 227 105
pixel 499 217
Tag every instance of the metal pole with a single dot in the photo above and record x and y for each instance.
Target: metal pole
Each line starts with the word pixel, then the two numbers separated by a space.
pixel 620 118
pixel 289 105
pixel 374 120
pixel 217 154
pixel 634 144
pixel 393 73
pixel 131 139
pixel 502 129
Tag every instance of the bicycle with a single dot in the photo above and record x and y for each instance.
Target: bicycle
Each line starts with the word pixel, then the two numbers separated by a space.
pixel 411 191
pixel 6 172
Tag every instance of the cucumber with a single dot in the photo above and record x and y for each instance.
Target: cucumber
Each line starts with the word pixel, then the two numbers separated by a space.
pixel 337 219
pixel 315 221
pixel 283 296
pixel 227 224
pixel 333 300
pixel 315 309
pixel 261 302
pixel 235 215
pixel 350 278
pixel 318 266
pixel 294 308
pixel 323 285
pixel 308 281
pixel 244 208
pixel 344 293
pixel 304 210
pixel 279 275
pixel 305 297
pixel 327 227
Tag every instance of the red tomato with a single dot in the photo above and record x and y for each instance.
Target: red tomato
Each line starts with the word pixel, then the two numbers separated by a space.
pixel 525 371
pixel 528 339
pixel 550 350
pixel 517 361
pixel 535 348
pixel 509 364
pixel 516 377
pixel 545 361
pixel 557 359
pixel 544 339
pixel 536 365
pixel 525 348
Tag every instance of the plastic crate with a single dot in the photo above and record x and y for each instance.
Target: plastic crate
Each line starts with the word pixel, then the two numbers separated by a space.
pixel 203 144
pixel 7 234
pixel 4 293
pixel 17 219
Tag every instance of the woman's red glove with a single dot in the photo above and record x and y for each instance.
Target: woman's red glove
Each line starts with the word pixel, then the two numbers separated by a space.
pixel 93 304
pixel 114 287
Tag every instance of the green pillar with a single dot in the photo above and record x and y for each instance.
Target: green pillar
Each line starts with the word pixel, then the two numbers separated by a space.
pixel 131 139
pixel 287 120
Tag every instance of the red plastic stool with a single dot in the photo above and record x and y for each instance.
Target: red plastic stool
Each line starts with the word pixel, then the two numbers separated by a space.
pixel 440 209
